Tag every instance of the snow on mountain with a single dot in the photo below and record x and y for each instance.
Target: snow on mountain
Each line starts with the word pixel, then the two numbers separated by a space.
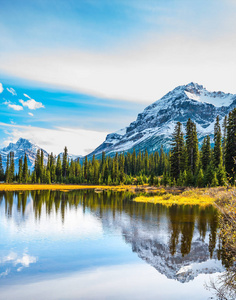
pixel 21 147
pixel 154 126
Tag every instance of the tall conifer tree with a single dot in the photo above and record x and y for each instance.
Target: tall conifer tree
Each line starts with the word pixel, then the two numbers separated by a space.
pixel 217 152
pixel 177 152
pixel 25 169
pixel 192 146
pixel 230 155
pixel 20 170
pixel 2 177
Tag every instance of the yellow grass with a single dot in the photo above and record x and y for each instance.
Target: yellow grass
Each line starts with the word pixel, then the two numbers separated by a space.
pixel 190 197
pixel 61 187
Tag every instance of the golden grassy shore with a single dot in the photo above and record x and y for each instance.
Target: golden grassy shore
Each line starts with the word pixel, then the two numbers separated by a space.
pixel 193 196
pixel 60 187
pixel 166 196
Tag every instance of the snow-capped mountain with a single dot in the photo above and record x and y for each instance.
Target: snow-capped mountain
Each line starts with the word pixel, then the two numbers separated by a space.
pixel 154 126
pixel 21 147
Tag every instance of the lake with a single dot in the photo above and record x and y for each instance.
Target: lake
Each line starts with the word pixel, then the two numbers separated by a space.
pixel 87 245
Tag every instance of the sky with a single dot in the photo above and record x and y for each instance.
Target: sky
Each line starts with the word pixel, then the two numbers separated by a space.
pixel 73 71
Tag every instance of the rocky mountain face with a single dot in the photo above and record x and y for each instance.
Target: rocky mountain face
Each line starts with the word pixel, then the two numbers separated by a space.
pixel 154 126
pixel 21 147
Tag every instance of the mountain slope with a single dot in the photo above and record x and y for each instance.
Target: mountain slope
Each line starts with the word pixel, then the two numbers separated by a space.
pixel 154 126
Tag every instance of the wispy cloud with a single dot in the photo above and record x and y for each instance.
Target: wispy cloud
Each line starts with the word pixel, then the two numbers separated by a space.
pixel 12 91
pixel 13 106
pixel 30 114
pixel 1 88
pixel 160 45
pixel 32 104
pixel 27 96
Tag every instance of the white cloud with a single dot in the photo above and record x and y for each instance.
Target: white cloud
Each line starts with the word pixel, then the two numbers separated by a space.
pixel 27 96
pixel 10 257
pixel 32 104
pixel 13 106
pixel 1 88
pixel 78 141
pixel 12 91
pixel 30 114
pixel 24 261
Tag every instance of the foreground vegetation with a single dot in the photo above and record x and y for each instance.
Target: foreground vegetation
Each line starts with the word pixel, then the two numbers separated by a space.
pixel 189 197
pixel 194 196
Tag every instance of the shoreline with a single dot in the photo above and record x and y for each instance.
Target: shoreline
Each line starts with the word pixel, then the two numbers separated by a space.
pixel 147 194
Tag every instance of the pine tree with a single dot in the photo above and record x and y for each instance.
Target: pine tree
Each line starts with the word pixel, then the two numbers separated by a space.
pixel 2 177
pixel 221 175
pixel 146 163
pixel 42 171
pixel 7 174
pixel 214 180
pixel 10 167
pixel 200 178
pixel 206 152
pixel 58 169
pixel 25 169
pixel 230 153
pixel 224 138
pixel 192 146
pixel 217 152
pixel 177 152
pixel 48 177
pixel 20 171
pixel 209 174
pixel 37 166
pixel 85 167
pixel 65 163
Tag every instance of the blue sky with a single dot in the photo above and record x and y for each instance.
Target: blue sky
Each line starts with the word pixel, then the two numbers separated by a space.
pixel 95 64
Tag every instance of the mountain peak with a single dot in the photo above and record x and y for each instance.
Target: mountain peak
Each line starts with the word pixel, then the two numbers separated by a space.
pixel 194 85
pixel 154 126
pixel 23 141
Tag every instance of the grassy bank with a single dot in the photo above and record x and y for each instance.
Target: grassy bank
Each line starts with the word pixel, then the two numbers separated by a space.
pixel 190 197
pixel 194 196
pixel 61 187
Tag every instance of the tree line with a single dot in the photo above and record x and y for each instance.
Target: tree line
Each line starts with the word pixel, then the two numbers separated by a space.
pixel 186 164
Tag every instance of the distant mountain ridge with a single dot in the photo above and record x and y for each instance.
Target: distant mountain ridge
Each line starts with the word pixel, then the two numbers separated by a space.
pixel 154 126
pixel 23 146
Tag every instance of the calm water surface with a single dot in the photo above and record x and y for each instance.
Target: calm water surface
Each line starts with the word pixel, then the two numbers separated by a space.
pixel 87 245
